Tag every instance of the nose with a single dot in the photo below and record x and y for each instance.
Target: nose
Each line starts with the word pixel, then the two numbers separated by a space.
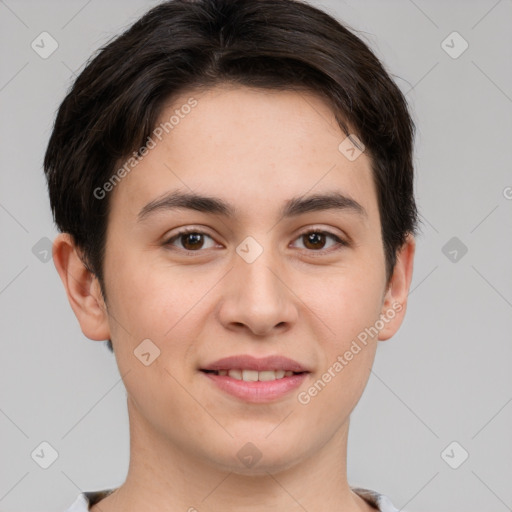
pixel 257 298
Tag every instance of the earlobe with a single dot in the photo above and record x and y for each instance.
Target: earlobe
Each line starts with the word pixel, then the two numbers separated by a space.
pixel 82 288
pixel 395 300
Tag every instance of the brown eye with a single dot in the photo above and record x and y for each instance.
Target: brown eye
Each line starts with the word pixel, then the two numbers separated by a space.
pixel 317 240
pixel 190 240
pixel 314 240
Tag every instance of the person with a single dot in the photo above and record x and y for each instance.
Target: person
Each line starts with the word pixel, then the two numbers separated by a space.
pixel 234 189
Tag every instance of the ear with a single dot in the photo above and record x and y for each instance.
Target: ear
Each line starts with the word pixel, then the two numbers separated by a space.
pixel 395 298
pixel 82 288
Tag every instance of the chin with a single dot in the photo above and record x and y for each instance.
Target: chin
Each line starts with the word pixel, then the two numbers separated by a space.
pixel 256 458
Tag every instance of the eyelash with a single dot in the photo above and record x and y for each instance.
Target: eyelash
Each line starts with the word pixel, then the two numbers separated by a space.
pixel 341 243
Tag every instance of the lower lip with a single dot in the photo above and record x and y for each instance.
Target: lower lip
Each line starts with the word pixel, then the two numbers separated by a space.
pixel 259 391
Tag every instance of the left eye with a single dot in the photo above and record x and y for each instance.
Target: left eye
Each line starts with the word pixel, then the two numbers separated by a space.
pixel 315 238
pixel 195 240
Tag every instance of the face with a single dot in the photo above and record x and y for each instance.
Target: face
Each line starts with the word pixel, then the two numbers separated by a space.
pixel 268 269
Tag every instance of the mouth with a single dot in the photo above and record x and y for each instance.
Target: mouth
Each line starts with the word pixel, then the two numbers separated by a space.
pixel 256 380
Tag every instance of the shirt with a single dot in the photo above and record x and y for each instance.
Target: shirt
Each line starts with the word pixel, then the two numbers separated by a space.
pixel 85 500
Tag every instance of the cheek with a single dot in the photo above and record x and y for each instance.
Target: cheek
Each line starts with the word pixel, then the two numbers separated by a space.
pixel 347 304
pixel 335 392
pixel 348 351
pixel 348 315
pixel 151 298
pixel 161 303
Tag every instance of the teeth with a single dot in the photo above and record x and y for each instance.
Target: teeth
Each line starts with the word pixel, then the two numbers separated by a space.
pixel 235 374
pixel 267 375
pixel 254 375
pixel 250 375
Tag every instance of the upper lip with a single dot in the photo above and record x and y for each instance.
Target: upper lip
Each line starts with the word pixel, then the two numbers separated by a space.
pixel 246 362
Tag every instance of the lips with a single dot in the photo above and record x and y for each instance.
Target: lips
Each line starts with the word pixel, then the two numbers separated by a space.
pixel 256 380
pixel 274 363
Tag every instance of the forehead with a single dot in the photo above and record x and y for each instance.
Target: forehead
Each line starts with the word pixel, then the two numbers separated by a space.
pixel 253 147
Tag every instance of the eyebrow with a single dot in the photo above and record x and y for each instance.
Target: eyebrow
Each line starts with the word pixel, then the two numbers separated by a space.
pixel 213 205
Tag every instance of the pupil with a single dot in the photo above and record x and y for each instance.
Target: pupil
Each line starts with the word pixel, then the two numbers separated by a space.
pixel 196 239
pixel 314 238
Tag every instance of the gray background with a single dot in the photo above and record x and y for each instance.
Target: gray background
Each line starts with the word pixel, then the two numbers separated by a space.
pixel 444 377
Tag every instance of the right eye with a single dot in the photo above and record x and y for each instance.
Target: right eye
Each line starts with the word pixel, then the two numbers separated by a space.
pixel 192 240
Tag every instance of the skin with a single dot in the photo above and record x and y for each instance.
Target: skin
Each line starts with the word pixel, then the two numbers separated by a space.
pixel 254 149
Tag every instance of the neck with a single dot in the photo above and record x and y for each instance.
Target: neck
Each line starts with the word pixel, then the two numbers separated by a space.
pixel 162 477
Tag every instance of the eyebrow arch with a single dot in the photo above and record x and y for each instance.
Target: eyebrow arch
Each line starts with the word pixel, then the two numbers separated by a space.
pixel 213 205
